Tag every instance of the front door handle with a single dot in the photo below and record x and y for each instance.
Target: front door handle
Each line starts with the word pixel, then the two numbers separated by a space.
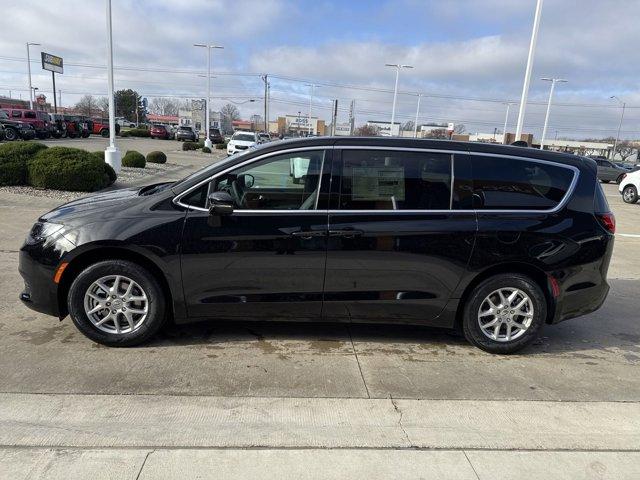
pixel 346 233
pixel 308 234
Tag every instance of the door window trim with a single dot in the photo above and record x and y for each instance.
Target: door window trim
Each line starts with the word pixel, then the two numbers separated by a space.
pixel 335 149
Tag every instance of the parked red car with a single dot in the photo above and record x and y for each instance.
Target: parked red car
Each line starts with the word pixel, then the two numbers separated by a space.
pixel 37 119
pixel 100 126
pixel 160 131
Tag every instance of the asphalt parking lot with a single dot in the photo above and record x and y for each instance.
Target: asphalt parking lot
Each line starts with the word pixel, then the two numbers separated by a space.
pixel 594 360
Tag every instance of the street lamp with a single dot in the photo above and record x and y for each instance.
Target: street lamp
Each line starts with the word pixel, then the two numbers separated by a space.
pixel 615 145
pixel 546 117
pixel 395 91
pixel 312 86
pixel 111 153
pixel 241 103
pixel 30 44
pixel 207 141
pixel 506 120
pixel 527 74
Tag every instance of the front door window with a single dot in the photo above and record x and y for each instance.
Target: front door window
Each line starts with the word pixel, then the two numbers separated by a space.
pixel 284 182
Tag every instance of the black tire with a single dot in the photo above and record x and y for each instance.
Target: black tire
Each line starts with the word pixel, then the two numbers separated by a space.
pixel 604 181
pixel 11 134
pixel 630 194
pixel 104 133
pixel 156 303
pixel 619 179
pixel 470 324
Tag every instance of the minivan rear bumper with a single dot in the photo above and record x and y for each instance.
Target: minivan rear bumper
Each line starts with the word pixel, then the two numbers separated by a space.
pixel 580 302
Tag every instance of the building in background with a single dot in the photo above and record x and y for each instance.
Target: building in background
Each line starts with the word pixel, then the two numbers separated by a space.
pixel 163 119
pixel 299 125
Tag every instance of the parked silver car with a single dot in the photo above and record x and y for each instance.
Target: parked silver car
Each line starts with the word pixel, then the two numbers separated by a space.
pixel 609 171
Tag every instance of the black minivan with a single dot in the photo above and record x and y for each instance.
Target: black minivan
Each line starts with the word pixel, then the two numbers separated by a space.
pixel 493 240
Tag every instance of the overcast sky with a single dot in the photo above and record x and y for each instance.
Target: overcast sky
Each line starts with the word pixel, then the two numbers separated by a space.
pixel 469 55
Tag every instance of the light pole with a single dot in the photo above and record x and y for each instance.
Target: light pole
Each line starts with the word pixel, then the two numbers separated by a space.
pixel 546 117
pixel 615 144
pixel 312 86
pixel 111 153
pixel 506 120
pixel 30 44
pixel 415 124
pixel 207 141
pixel 397 66
pixel 527 75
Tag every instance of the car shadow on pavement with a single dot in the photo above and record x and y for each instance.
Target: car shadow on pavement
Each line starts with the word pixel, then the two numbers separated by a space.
pixel 610 330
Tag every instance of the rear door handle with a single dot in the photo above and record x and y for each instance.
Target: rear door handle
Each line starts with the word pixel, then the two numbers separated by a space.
pixel 347 233
pixel 308 234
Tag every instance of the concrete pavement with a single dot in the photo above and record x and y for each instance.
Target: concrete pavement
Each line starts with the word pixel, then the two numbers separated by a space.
pixel 249 400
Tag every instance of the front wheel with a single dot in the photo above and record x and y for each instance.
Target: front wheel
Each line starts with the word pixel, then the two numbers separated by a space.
pixel 104 133
pixel 10 134
pixel 504 313
pixel 630 194
pixel 116 303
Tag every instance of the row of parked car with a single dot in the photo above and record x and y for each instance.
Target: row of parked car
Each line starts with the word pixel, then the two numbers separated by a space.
pixel 25 124
pixel 609 171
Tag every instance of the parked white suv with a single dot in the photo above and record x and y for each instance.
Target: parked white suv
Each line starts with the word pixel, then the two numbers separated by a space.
pixel 630 186
pixel 241 141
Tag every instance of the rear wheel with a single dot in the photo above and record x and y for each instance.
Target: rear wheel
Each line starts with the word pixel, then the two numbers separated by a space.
pixel 104 133
pixel 116 303
pixel 604 181
pixel 504 313
pixel 630 194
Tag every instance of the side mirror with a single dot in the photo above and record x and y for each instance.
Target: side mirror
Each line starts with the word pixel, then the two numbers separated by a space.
pixel 220 203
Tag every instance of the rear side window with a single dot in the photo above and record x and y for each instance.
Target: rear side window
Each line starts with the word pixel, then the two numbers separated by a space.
pixel 395 180
pixel 600 204
pixel 518 184
pixel 16 113
pixel 29 114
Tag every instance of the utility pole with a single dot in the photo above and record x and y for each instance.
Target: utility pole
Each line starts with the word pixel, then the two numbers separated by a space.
pixel 309 129
pixel 207 140
pixel 265 79
pixel 415 125
pixel 55 104
pixel 352 117
pixel 615 144
pixel 59 97
pixel 334 117
pixel 527 75
pixel 506 120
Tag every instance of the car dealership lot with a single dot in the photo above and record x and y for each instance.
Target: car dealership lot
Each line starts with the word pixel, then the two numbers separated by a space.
pixel 318 385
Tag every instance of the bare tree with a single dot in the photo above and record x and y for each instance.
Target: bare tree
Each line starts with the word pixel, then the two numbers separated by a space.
pixel 228 113
pixel 103 104
pixel 367 131
pixel 436 133
pixel 163 106
pixel 408 126
pixel 460 128
pixel 626 149
pixel 86 106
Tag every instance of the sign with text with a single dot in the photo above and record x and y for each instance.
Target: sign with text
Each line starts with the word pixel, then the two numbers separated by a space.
pixel 51 62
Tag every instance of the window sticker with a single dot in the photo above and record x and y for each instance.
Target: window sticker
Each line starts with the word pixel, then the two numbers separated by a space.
pixel 377 183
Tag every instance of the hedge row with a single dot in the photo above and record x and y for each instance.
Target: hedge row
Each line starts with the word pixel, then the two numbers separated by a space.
pixel 192 145
pixel 136 132
pixel 59 168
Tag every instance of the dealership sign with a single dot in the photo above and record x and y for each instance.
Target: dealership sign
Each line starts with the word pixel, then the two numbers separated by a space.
pixel 51 62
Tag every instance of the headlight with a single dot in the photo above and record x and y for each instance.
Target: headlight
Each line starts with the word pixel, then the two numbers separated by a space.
pixel 41 231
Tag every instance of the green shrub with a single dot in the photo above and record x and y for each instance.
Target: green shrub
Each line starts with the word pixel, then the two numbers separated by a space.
pixel 73 169
pixel 189 146
pixel 124 134
pixel 13 161
pixel 133 159
pixel 111 173
pixel 221 146
pixel 139 132
pixel 206 150
pixel 156 157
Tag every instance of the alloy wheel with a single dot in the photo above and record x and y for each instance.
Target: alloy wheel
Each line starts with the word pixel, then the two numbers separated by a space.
pixel 505 314
pixel 628 195
pixel 116 304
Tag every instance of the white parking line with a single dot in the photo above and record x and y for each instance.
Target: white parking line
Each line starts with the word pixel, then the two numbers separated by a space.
pixel 630 235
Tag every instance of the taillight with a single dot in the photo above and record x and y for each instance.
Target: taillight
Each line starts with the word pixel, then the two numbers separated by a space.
pixel 608 221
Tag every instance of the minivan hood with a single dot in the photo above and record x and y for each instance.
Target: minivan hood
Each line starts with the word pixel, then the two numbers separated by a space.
pixel 91 204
